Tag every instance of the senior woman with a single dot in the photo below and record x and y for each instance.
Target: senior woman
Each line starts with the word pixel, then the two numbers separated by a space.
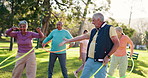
pixel 24 42
pixel 119 57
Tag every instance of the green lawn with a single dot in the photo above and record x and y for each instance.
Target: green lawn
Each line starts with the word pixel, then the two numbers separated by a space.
pixel 140 70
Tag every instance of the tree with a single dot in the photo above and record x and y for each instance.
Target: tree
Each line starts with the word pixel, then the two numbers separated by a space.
pixel 21 10
pixel 146 38
pixel 126 30
pixel 137 38
pixel 4 15
pixel 82 8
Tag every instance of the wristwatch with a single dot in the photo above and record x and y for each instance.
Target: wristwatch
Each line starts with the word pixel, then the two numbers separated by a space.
pixel 108 56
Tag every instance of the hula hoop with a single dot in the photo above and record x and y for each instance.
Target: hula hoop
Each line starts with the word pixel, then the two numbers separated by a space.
pixel 56 51
pixel 97 71
pixel 17 59
pixel 7 58
pixel 128 73
pixel 112 76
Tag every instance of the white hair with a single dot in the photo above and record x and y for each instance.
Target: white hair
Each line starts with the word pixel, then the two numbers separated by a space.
pixel 99 16
pixel 119 29
pixel 23 22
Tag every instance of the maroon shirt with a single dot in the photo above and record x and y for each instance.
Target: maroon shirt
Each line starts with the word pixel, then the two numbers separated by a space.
pixel 24 42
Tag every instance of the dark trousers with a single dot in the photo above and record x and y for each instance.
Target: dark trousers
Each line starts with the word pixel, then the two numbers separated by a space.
pixel 62 60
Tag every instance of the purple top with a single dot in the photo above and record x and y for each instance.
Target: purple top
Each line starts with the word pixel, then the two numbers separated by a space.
pixel 24 42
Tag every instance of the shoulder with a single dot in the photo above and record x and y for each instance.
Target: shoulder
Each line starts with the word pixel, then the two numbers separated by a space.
pixel 112 27
pixel 30 32
pixel 125 36
pixel 93 30
pixel 54 30
pixel 107 26
pixel 65 30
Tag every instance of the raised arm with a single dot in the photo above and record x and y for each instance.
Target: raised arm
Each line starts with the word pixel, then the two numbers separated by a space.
pixel 9 32
pixel 40 32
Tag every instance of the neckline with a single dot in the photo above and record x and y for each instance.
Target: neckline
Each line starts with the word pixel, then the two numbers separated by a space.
pixel 24 34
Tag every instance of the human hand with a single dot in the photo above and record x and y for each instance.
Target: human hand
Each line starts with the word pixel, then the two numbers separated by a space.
pixel 14 28
pixel 131 55
pixel 64 42
pixel 106 60
pixel 38 29
pixel 43 45
pixel 80 58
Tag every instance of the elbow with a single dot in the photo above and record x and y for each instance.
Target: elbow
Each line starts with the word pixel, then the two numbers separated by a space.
pixel 7 34
pixel 42 36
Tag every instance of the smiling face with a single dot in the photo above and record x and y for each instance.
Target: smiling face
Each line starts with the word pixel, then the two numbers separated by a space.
pixel 23 27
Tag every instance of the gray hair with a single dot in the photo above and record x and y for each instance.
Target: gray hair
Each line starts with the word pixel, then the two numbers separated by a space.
pixel 23 22
pixel 119 29
pixel 99 16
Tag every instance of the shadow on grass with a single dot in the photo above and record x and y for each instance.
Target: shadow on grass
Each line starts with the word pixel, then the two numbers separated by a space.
pixel 6 71
pixel 42 68
pixel 137 69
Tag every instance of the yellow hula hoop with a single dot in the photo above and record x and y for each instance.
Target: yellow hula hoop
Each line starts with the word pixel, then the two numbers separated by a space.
pixel 112 76
pixel 7 58
pixel 17 59
pixel 128 73
pixel 97 71
pixel 54 51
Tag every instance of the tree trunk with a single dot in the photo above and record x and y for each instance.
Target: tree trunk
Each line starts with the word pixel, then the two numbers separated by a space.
pixel 12 13
pixel 81 28
pixel 46 19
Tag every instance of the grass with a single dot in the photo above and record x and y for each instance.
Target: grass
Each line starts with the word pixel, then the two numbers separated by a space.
pixel 42 57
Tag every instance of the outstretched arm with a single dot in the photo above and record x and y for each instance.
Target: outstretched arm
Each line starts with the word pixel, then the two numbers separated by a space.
pixel 78 38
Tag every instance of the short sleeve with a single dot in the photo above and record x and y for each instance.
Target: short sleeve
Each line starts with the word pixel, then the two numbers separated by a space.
pixel 112 32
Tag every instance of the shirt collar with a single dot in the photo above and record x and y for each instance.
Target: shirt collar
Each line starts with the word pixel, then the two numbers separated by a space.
pixel 103 24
